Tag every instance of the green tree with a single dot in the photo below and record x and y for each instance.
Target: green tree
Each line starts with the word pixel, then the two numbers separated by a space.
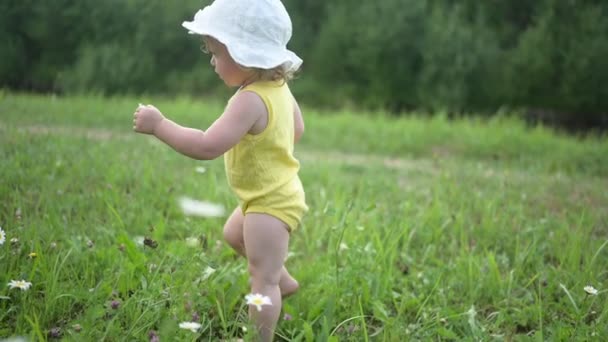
pixel 373 51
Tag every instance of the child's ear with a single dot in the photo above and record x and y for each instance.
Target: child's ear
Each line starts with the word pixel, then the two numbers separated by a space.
pixel 203 46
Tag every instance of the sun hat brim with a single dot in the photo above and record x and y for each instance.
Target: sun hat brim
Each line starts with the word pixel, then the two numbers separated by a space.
pixel 241 51
pixel 257 58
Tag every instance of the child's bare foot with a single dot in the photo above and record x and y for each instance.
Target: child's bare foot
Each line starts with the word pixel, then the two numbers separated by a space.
pixel 288 284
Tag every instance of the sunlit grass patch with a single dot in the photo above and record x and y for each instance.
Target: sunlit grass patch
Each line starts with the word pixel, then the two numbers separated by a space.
pixel 399 244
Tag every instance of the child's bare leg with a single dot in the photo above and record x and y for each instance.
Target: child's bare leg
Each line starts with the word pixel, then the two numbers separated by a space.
pixel 266 241
pixel 233 233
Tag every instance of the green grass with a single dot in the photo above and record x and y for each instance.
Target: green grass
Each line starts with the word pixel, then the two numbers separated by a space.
pixel 419 229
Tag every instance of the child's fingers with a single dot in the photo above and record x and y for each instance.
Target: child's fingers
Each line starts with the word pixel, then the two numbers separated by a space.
pixel 139 106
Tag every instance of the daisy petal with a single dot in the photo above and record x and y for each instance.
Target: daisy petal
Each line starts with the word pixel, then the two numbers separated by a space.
pixel 590 290
pixel 192 326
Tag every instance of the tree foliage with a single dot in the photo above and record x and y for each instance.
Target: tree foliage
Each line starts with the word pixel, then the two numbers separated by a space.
pixel 400 55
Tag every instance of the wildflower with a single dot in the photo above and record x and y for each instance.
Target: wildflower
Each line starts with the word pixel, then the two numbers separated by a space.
pixel 192 326
pixel 33 255
pixel 14 241
pixel 195 317
pixel 208 272
pixel 153 336
pixel 200 169
pixel 53 245
pixel 139 240
pixel 90 243
pixel 21 284
pixel 590 290
pixel 55 332
pixel 287 317
pixel 2 236
pixel 77 327
pixel 192 241
pixel 258 300
pixel 115 304
pixel 193 207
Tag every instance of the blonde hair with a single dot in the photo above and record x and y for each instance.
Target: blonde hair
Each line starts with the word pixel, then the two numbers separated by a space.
pixel 275 74
pixel 278 73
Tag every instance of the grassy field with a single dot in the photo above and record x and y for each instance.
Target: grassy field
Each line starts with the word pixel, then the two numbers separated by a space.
pixel 419 229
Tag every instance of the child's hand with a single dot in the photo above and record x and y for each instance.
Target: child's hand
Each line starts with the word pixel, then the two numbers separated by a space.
pixel 146 118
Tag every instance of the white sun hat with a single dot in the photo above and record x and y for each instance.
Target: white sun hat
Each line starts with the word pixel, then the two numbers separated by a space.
pixel 255 32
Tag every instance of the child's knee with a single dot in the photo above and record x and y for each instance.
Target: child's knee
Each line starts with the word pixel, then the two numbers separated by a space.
pixel 264 275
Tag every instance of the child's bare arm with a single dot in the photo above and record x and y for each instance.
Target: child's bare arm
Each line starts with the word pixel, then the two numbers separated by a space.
pixel 222 135
pixel 298 122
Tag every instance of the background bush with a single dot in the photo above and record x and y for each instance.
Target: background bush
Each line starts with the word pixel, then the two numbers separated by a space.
pixel 546 56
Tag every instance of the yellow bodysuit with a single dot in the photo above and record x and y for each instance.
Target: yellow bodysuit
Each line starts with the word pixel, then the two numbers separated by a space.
pixel 261 168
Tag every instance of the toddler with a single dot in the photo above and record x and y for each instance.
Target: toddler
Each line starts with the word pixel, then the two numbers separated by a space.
pixel 256 134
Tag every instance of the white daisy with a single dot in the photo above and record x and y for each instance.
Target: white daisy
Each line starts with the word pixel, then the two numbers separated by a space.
pixel 258 300
pixel 192 241
pixel 192 326
pixel 139 240
pixel 208 272
pixel 192 207
pixel 21 284
pixel 590 290
pixel 2 236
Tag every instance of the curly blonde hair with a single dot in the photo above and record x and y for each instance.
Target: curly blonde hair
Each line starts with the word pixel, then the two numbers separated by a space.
pixel 277 73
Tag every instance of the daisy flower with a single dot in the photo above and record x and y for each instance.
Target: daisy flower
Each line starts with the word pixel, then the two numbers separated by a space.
pixel 590 290
pixel 2 236
pixel 208 272
pixel 192 241
pixel 21 284
pixel 258 300
pixel 192 326
pixel 139 240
